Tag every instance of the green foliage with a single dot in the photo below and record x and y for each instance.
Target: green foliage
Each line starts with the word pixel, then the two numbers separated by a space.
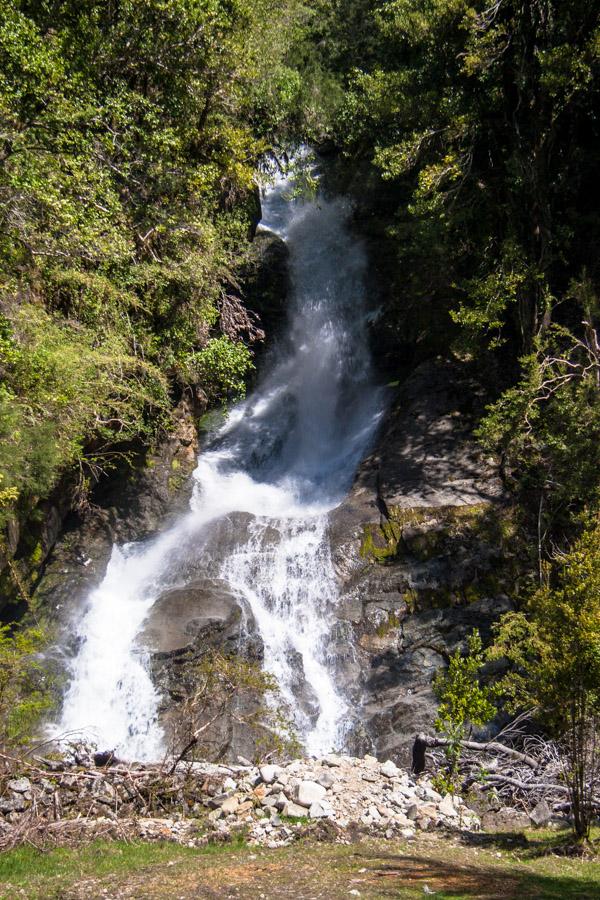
pixel 223 366
pixel 25 689
pixel 480 120
pixel 130 138
pixel 63 385
pixel 547 428
pixel 464 702
pixel 218 687
pixel 554 648
pixel 554 643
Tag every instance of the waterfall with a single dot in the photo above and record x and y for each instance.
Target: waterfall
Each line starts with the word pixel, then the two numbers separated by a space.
pixel 284 457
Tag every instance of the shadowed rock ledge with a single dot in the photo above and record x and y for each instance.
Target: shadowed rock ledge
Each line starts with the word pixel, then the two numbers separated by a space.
pixel 422 551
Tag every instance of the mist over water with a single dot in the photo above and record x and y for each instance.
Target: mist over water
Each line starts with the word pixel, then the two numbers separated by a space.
pixel 284 457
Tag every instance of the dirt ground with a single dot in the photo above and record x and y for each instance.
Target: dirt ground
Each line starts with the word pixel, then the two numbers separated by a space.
pixel 507 868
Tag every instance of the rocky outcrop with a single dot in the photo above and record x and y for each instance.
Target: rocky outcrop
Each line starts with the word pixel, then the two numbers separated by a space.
pixel 129 506
pixel 265 279
pixel 57 541
pixel 422 547
pixel 185 626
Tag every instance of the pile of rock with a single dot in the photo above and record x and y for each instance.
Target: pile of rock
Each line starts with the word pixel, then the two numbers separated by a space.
pixel 271 804
pixel 344 790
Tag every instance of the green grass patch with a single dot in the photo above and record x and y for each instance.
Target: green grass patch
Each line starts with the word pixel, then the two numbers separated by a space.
pixel 46 874
pixel 511 866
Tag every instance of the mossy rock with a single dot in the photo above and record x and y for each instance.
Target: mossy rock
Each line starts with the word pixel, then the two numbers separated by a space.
pixel 435 598
pixel 391 623
pixel 380 542
pixel 427 544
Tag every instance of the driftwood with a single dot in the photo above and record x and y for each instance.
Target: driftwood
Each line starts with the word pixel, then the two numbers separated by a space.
pixel 423 742
pixel 519 777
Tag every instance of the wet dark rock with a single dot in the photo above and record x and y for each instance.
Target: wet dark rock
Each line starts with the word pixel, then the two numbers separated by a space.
pixel 419 550
pixel 266 279
pixel 105 758
pixel 185 626
pixel 130 506
pixel 202 613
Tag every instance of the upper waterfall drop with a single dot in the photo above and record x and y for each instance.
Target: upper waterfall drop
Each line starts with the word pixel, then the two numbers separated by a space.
pixel 285 456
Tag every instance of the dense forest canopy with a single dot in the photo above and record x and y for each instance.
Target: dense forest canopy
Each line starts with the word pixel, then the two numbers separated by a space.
pixel 483 121
pixel 131 137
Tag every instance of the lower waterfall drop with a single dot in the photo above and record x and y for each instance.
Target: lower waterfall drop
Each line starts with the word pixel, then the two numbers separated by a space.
pixel 283 459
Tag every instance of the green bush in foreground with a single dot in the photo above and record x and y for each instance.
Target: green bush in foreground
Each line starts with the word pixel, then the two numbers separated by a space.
pixel 25 687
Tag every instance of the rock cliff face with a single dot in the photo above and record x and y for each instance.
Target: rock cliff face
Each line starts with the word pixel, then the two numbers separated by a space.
pixel 130 507
pixel 421 546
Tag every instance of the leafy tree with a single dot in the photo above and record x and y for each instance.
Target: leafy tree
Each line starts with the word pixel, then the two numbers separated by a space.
pixel 554 648
pixel 220 688
pixel 547 428
pixel 223 364
pixel 464 702
pixel 25 689
pixel 130 138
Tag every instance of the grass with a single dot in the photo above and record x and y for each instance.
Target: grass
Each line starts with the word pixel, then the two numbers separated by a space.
pixel 481 867
pixel 29 872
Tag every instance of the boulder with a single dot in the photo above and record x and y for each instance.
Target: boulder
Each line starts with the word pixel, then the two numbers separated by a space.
pixel 182 616
pixel 270 773
pixel 230 805
pixel 332 761
pixel 19 785
pixel 447 808
pixel 326 780
pixel 309 792
pixel 293 810
pixel 320 809
pixel 540 814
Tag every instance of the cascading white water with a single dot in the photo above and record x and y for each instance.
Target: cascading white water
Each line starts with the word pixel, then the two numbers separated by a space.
pixel 285 456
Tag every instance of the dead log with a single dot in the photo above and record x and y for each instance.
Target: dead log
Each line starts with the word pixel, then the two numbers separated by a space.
pixel 424 741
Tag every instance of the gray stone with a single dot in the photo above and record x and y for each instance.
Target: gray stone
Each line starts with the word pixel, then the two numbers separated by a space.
pixel 270 773
pixel 540 814
pixel 390 769
pixel 293 811
pixel 320 809
pixel 7 806
pixel 429 794
pixel 20 785
pixel 309 792
pixel 326 780
pixel 280 801
pixel 179 615
pixel 332 761
pixel 230 805
pixel 219 799
pixel 446 807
